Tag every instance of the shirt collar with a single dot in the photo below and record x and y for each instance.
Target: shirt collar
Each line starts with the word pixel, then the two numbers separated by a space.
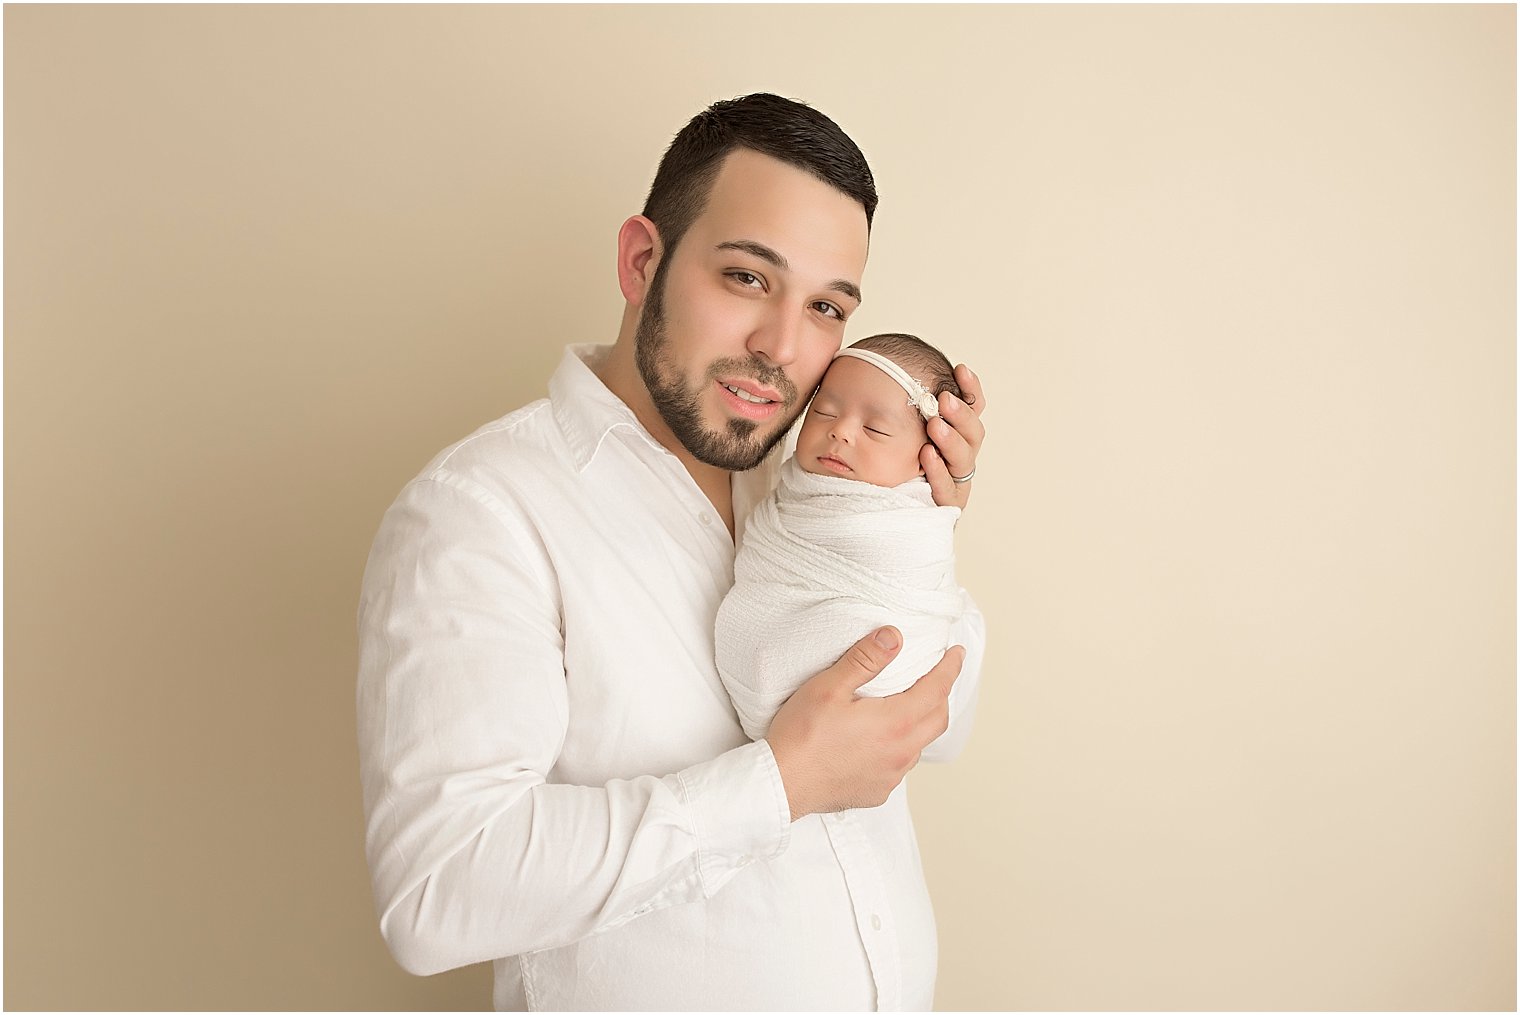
pixel 585 409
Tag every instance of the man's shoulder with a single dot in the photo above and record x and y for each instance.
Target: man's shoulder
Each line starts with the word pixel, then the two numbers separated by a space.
pixel 503 454
pixel 524 433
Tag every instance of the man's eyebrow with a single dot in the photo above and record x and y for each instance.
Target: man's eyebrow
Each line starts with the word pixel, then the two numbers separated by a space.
pixel 769 256
pixel 844 285
pixel 759 250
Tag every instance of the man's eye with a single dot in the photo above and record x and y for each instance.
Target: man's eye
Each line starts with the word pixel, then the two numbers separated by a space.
pixel 828 309
pixel 748 279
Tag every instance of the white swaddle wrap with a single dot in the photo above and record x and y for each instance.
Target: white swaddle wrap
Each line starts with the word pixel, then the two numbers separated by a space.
pixel 824 561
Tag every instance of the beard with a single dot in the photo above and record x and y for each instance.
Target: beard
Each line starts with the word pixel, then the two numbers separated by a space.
pixel 741 444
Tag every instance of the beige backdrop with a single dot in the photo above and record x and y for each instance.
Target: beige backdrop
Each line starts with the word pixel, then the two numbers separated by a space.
pixel 1240 280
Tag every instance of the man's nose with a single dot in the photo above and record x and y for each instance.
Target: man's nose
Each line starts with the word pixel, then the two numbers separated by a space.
pixel 775 338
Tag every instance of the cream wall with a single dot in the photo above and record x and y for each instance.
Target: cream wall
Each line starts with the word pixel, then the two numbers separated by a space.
pixel 1241 284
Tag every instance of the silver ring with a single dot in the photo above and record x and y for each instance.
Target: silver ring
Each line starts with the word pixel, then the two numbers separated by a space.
pixel 966 478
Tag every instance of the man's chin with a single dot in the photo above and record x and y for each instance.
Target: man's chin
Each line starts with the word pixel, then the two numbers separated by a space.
pixel 738 445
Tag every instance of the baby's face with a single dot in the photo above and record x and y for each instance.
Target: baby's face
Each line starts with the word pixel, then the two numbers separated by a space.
pixel 860 426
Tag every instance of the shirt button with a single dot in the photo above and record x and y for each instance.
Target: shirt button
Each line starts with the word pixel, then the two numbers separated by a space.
pixel 875 922
pixel 745 860
pixel 705 518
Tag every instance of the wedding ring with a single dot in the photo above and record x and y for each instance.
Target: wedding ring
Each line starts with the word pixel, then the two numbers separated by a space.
pixel 966 478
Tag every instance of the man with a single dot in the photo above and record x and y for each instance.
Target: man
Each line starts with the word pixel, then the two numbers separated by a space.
pixel 553 776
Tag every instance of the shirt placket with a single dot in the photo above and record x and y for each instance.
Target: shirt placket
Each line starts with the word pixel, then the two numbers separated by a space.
pixel 707 526
pixel 868 899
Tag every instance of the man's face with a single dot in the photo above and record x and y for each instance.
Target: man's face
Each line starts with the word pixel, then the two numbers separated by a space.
pixel 741 320
pixel 860 426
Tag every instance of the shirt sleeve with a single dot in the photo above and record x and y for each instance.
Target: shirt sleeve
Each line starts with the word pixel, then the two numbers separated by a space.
pixel 462 712
pixel 970 631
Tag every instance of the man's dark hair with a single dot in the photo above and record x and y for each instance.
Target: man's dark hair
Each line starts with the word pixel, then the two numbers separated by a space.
pixel 918 357
pixel 794 133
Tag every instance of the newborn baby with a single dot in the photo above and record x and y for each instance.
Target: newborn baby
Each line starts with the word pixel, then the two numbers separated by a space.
pixel 851 539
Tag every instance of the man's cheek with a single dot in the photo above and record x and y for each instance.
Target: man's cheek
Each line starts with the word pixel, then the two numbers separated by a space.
pixel 816 371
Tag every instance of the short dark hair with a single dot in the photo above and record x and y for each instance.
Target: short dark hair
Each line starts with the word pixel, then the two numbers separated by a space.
pixel 918 357
pixel 784 129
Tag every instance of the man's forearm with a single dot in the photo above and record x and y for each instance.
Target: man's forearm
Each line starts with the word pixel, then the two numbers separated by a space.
pixel 489 870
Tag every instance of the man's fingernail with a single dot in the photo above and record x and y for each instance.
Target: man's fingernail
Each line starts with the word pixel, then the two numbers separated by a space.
pixel 886 638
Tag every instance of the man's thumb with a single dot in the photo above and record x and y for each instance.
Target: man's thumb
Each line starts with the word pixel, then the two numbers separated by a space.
pixel 869 656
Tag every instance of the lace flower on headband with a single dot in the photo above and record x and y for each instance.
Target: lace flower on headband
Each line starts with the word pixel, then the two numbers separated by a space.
pixel 920 397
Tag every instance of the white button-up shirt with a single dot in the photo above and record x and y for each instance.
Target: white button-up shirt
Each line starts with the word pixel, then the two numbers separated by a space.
pixel 554 778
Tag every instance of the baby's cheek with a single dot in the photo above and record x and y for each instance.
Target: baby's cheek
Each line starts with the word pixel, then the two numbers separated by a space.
pixel 809 430
pixel 908 463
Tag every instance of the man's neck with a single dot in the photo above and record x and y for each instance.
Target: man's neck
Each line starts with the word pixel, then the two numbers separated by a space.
pixel 620 373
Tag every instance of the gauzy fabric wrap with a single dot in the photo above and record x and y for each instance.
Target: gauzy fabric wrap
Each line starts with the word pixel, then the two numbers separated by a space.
pixel 823 562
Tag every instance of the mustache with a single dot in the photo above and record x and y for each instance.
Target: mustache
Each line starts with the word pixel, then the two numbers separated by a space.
pixel 773 376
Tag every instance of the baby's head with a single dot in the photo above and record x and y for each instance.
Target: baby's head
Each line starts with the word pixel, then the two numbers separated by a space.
pixel 861 424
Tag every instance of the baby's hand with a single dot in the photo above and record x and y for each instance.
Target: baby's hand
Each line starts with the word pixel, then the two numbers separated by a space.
pixel 957 438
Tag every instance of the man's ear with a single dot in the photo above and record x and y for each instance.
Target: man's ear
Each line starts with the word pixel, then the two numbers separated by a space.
pixel 639 250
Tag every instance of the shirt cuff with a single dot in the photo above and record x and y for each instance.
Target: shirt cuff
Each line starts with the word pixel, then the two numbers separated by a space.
pixel 739 812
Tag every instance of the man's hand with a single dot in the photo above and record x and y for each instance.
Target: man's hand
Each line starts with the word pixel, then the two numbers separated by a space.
pixel 837 751
pixel 957 438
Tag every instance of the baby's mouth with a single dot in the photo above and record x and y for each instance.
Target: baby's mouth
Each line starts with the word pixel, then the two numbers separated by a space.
pixel 830 462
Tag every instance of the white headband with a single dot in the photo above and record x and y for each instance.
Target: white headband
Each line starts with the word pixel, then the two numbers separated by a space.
pixel 918 396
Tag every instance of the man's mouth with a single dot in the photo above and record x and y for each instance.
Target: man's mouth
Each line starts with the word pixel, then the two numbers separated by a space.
pixel 750 401
pixel 750 396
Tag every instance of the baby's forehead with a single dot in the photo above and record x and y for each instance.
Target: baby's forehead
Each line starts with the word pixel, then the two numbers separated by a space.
pixel 858 380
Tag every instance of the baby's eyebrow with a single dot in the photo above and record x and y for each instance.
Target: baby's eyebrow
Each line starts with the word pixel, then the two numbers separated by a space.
pixel 771 256
pixel 881 416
